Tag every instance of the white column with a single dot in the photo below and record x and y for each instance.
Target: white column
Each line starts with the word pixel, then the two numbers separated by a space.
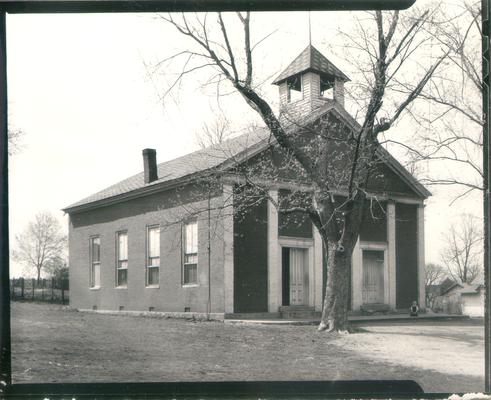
pixel 318 276
pixel 391 255
pixel 274 256
pixel 228 242
pixel 357 276
pixel 421 255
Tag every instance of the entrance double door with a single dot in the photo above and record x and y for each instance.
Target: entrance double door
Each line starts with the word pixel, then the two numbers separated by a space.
pixel 298 274
pixel 373 277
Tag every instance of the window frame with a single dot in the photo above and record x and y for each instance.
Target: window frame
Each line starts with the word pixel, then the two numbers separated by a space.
pixel 147 256
pixel 118 260
pixel 185 253
pixel 92 263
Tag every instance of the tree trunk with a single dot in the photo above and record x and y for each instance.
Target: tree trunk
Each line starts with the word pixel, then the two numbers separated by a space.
pixel 336 302
pixel 39 275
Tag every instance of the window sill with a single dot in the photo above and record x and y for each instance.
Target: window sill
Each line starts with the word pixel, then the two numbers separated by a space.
pixel 292 102
pixel 152 286
pixel 95 288
pixel 190 285
pixel 121 287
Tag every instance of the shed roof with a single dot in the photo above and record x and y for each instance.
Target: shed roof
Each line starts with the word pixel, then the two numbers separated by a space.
pixel 310 59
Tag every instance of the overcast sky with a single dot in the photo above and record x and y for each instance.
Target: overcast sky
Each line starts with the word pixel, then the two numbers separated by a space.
pixel 79 88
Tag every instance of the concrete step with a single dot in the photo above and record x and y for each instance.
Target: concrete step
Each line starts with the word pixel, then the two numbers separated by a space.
pixel 296 308
pixel 253 316
pixel 298 312
pixel 376 308
pixel 308 315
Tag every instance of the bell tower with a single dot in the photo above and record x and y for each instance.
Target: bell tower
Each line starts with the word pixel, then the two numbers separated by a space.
pixel 310 82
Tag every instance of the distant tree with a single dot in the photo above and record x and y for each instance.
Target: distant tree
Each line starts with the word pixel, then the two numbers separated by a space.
pixel 14 140
pixel 434 273
pixel 41 244
pixel 463 252
pixel 214 133
pixel 449 109
pixel 57 268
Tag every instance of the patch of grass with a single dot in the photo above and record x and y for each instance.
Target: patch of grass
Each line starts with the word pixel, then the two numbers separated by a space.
pixel 52 344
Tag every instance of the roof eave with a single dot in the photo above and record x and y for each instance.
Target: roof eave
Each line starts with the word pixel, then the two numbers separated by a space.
pixel 398 169
pixel 279 80
pixel 136 193
pixel 170 184
pixel 240 157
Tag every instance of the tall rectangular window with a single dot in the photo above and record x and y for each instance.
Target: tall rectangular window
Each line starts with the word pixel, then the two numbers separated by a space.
pixel 122 259
pixel 190 273
pixel 153 255
pixel 95 262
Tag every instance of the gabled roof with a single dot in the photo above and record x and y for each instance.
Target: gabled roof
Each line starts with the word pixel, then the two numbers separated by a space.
pixel 175 170
pixel 435 289
pixel 219 157
pixel 382 153
pixel 310 59
pixel 470 288
pixel 447 284
pixel 462 288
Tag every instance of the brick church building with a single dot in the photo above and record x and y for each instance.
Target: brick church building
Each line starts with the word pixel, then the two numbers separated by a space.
pixel 162 240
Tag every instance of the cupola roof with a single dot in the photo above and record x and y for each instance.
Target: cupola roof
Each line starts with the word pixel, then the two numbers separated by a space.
pixel 311 59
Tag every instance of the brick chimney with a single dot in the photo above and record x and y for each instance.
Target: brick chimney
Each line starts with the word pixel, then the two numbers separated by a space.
pixel 150 165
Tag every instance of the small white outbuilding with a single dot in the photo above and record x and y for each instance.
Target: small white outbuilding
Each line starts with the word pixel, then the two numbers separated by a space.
pixel 470 298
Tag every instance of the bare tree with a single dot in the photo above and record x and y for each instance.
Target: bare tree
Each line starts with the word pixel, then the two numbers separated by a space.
pixel 14 140
pixel 214 133
pixel 389 43
pixel 434 273
pixel 56 267
pixel 463 254
pixel 41 244
pixel 449 109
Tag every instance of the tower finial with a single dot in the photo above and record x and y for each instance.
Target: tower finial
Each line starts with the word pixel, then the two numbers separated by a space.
pixel 310 32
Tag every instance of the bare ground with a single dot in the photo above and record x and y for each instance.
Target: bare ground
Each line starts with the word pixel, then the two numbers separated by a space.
pixel 53 344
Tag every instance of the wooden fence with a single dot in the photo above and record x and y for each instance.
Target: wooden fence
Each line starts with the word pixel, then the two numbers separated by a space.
pixel 49 290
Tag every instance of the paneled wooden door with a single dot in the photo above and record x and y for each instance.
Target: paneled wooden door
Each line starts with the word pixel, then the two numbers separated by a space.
pixel 373 276
pixel 299 276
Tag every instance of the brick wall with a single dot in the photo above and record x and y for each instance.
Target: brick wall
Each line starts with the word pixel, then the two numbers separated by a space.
pixel 134 216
